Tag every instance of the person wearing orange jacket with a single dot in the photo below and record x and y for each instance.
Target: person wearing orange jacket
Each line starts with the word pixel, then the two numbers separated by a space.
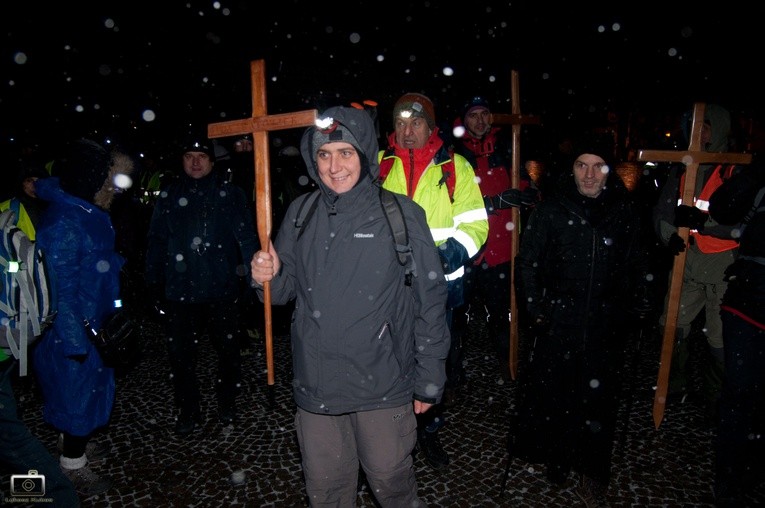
pixel 710 251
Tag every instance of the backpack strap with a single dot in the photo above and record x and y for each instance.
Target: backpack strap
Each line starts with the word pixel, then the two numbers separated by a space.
pixel 385 164
pixel 447 171
pixel 15 205
pixel 448 175
pixel 757 207
pixel 306 210
pixel 395 217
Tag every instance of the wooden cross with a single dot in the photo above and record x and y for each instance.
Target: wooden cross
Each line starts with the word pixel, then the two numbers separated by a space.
pixel 691 158
pixel 516 120
pixel 259 125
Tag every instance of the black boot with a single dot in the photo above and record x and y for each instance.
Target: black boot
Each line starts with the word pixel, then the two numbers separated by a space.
pixel 712 382
pixel 430 445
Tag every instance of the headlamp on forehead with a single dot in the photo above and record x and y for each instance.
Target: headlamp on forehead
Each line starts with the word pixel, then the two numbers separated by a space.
pixel 326 125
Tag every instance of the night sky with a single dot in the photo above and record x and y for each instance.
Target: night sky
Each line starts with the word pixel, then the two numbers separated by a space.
pixel 141 71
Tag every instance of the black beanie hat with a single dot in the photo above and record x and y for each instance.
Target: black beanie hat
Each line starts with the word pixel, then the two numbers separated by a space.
pixel 475 102
pixel 198 142
pixel 83 168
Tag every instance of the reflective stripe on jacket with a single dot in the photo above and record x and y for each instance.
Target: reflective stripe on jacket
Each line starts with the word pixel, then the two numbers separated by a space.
pixel 465 219
pixel 709 244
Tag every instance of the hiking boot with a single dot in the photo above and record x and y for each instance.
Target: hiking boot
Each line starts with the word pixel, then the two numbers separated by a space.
pixel 93 451
pixel 186 423
pixel 591 492
pixel 86 482
pixel 430 445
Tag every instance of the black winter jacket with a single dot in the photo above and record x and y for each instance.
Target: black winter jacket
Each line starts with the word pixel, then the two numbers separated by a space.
pixel 201 240
pixel 580 262
pixel 729 204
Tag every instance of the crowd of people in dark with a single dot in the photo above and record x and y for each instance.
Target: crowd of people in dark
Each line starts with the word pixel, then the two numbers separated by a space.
pixel 376 345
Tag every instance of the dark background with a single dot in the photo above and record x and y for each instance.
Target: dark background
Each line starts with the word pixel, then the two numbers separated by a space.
pixel 141 71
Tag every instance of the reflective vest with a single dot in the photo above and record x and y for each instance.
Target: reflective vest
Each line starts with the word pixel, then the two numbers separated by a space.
pixel 706 243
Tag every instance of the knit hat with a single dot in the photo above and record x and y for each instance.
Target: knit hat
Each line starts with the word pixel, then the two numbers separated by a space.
pixel 476 102
pixel 415 104
pixel 332 134
pixel 197 142
pixel 83 168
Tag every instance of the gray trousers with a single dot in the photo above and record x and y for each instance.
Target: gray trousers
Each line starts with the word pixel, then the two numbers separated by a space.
pixel 381 441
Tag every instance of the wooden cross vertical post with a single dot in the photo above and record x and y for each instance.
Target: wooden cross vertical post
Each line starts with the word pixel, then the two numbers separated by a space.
pixel 516 120
pixel 259 126
pixel 691 158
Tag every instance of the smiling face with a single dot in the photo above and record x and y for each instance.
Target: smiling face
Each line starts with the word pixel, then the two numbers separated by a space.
pixel 339 166
pixel 590 174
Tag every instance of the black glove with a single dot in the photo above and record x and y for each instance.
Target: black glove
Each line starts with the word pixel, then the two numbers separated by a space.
pixel 676 244
pixel 529 196
pixel 78 358
pixel 689 217
pixel 511 198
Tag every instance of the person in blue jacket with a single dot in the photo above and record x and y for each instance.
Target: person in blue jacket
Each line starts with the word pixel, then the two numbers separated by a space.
pixel 76 235
pixel 368 350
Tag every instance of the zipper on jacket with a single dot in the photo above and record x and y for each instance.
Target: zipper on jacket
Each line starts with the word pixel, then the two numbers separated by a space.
pixel 382 330
pixel 410 191
pixel 589 287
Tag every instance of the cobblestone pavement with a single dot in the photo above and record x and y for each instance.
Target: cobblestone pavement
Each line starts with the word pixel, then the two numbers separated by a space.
pixel 257 464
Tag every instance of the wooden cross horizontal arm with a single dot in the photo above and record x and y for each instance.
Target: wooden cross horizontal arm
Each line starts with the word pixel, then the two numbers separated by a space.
pixel 263 123
pixel 695 157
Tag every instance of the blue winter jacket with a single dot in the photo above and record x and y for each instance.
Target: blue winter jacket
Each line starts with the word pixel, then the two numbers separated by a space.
pixel 77 238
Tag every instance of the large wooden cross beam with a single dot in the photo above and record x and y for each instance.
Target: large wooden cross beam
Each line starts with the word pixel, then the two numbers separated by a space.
pixel 516 119
pixel 694 156
pixel 259 126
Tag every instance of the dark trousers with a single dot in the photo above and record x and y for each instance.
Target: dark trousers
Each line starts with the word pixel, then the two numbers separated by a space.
pixel 562 418
pixel 21 452
pixel 742 405
pixel 487 297
pixel 187 323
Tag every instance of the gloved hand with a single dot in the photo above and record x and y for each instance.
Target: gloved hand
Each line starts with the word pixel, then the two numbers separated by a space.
pixel 689 217
pixel 676 244
pixel 511 198
pixel 529 196
pixel 78 358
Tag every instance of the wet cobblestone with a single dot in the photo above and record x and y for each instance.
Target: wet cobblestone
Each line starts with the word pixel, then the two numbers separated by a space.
pixel 151 467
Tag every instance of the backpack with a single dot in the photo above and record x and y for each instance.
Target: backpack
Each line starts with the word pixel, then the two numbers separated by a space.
pixel 447 171
pixel 27 294
pixel 393 214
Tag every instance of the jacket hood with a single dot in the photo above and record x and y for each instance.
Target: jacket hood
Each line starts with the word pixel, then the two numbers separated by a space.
pixel 720 122
pixel 50 190
pixel 360 126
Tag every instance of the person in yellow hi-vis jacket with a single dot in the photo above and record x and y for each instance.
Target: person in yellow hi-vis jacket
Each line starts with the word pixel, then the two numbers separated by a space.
pixel 418 164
